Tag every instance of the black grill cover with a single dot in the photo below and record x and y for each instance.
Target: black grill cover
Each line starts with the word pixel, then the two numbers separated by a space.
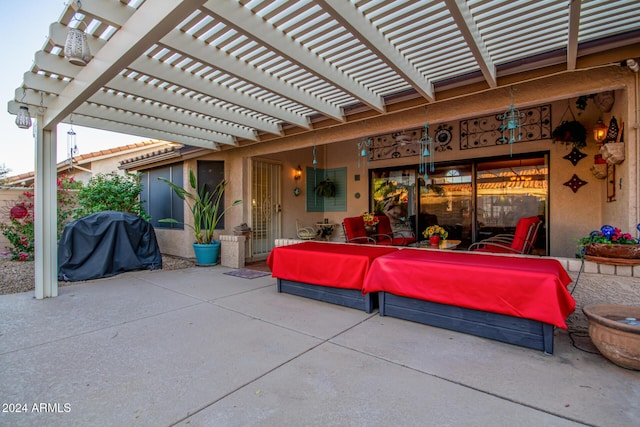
pixel 105 244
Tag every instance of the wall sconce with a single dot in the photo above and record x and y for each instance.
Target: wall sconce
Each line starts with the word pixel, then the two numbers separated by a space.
pixel 600 131
pixel 297 173
pixel 76 47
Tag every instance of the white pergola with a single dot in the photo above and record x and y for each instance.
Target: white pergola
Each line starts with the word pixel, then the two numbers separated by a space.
pixel 219 74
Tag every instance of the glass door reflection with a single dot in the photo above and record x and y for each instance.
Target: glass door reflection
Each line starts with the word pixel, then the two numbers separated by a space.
pixel 394 194
pixel 446 200
pixel 508 190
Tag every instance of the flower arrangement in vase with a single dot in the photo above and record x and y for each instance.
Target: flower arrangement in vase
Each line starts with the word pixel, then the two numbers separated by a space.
pixel 370 221
pixel 435 233
pixel 609 242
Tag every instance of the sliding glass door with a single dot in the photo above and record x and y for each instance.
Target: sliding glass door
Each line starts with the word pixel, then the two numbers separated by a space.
pixel 471 200
pixel 446 199
pixel 508 190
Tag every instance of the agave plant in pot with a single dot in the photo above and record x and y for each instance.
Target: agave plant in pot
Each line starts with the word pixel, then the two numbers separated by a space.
pixel 206 210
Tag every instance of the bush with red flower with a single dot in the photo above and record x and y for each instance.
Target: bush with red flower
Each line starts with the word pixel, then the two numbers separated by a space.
pixel 19 229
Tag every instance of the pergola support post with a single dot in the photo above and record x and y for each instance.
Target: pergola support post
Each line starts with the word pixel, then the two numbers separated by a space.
pixel 45 212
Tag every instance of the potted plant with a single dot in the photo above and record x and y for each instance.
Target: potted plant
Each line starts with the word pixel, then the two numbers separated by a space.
pixel 207 213
pixel 571 133
pixel 609 242
pixel 326 188
pixel 435 233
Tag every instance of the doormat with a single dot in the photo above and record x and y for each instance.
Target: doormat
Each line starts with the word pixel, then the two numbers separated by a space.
pixel 245 273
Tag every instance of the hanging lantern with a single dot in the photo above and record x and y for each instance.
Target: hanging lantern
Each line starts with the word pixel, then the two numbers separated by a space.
pixel 600 131
pixel 76 47
pixel 23 118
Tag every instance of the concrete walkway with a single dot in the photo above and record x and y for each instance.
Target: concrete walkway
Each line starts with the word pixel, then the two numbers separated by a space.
pixel 196 347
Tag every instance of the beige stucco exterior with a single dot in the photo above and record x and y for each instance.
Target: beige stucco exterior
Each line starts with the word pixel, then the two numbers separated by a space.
pixel 571 215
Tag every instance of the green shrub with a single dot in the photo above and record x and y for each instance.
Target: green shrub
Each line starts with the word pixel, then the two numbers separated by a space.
pixel 111 192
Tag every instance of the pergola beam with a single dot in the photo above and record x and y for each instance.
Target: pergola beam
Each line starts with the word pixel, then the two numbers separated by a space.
pixel 148 24
pixel 348 16
pixel 242 20
pixel 572 37
pixel 129 129
pixel 57 65
pixel 469 30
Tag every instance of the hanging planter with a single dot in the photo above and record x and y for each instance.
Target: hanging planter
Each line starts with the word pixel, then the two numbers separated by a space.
pixel 326 188
pixel 570 132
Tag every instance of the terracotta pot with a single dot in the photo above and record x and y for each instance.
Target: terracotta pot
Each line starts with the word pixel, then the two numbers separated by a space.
pixel 613 335
pixel 613 251
pixel 434 240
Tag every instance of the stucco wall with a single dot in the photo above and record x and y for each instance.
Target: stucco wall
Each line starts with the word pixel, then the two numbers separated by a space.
pixel 571 215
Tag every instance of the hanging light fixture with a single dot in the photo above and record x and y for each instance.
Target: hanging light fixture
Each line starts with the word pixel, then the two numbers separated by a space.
pixel 511 123
pixel 23 118
pixel 600 131
pixel 76 47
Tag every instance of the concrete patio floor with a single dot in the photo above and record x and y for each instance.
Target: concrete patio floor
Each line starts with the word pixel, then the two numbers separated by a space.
pixel 199 348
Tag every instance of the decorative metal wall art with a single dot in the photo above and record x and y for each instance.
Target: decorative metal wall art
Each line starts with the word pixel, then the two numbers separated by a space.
pixel 478 132
pixel 575 183
pixel 396 145
pixel 485 131
pixel 575 156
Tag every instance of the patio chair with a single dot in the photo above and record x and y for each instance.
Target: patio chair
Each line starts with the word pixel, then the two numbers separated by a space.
pixel 355 232
pixel 521 242
pixel 389 237
pixel 305 233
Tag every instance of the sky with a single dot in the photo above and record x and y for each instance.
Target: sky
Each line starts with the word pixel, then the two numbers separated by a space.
pixel 24 26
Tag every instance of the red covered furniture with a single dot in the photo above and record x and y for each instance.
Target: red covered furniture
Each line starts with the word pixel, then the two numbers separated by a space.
pixel 521 242
pixel 386 235
pixel 512 299
pixel 331 272
pixel 355 231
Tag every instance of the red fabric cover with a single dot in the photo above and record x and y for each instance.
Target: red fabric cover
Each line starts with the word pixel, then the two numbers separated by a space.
pixel 355 231
pixel 496 249
pixel 384 229
pixel 325 264
pixel 532 288
pixel 522 229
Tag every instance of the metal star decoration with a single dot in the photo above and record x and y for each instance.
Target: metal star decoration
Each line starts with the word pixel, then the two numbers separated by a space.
pixel 575 183
pixel 575 156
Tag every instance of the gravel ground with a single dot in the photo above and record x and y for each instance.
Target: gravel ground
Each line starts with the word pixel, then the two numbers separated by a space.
pixel 19 276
